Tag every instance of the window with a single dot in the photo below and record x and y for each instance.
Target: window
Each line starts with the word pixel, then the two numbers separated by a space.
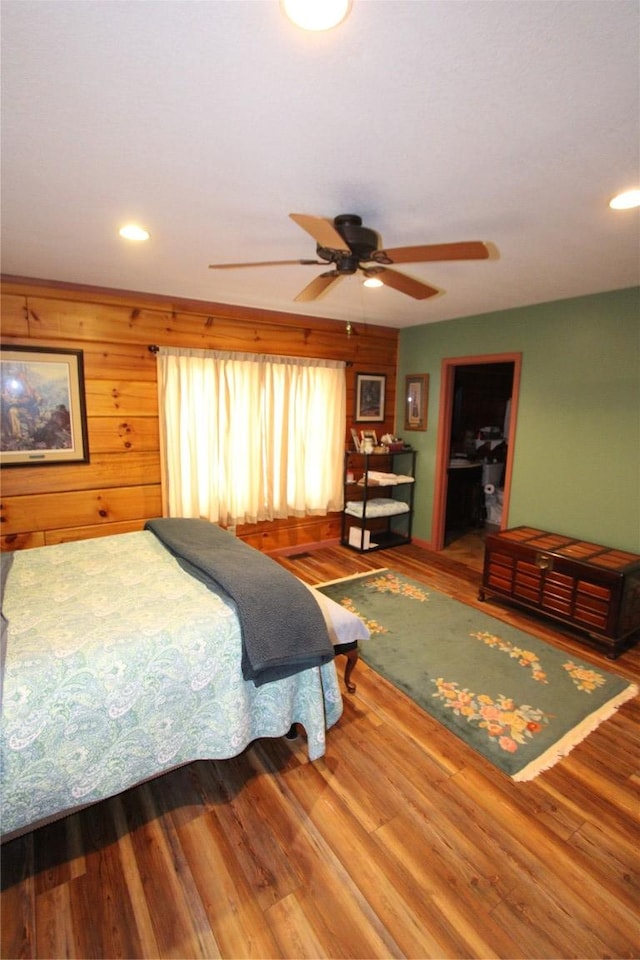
pixel 248 438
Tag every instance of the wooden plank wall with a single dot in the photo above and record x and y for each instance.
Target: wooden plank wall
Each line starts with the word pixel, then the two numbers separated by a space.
pixel 120 487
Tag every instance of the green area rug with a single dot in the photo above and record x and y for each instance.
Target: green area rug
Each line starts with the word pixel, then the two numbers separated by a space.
pixel 519 702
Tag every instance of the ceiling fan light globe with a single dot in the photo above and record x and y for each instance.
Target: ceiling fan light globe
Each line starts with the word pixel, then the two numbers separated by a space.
pixel 131 231
pixel 316 14
pixel 372 282
pixel 626 200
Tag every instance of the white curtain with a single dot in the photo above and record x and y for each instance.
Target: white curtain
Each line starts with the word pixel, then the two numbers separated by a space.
pixel 247 438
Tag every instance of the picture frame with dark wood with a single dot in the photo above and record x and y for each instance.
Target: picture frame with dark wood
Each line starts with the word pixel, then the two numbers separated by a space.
pixel 416 396
pixel 44 419
pixel 370 397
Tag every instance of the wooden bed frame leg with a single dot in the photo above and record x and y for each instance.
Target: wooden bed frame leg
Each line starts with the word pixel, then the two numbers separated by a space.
pixel 352 659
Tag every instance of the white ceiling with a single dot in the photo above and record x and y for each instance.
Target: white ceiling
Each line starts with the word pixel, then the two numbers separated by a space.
pixel 509 121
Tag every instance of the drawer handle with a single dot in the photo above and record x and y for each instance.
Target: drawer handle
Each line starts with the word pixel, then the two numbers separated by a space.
pixel 544 561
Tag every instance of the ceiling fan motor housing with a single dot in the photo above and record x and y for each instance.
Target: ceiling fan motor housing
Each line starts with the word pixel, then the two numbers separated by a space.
pixel 361 241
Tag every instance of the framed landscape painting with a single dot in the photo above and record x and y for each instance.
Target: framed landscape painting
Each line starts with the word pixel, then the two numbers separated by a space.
pixel 370 391
pixel 44 419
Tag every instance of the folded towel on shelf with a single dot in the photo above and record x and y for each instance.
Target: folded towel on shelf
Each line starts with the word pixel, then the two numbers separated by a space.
pixel 375 478
pixel 378 507
pixel 380 476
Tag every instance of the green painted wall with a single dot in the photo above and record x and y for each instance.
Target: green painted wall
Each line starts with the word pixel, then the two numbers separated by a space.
pixel 576 466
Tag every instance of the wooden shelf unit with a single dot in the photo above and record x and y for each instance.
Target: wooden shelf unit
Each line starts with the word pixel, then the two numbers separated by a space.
pixel 379 532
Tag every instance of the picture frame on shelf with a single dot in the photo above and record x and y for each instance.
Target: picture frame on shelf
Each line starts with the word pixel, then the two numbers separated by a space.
pixel 44 419
pixel 370 397
pixel 416 396
pixel 356 440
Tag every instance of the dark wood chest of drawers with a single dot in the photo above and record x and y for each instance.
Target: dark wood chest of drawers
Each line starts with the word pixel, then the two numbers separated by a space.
pixel 591 588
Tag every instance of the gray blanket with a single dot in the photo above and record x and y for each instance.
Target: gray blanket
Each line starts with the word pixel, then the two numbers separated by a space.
pixel 283 629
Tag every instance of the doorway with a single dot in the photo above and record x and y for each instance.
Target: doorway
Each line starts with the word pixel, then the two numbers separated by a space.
pixel 476 435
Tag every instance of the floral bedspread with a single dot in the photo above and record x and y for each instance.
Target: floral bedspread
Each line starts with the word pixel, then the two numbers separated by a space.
pixel 119 666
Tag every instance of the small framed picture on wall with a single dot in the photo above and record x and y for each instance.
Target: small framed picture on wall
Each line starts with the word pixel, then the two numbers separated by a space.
pixel 416 394
pixel 370 395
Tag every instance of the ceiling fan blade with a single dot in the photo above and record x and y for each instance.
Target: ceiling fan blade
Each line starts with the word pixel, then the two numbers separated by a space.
pixel 317 287
pixel 467 250
pixel 264 263
pixel 404 284
pixel 322 231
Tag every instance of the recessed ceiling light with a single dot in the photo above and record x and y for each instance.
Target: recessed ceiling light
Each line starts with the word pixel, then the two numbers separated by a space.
pixel 316 14
pixel 133 232
pixel 626 200
pixel 372 282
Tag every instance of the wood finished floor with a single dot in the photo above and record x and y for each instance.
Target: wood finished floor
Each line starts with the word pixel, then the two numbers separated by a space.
pixel 400 842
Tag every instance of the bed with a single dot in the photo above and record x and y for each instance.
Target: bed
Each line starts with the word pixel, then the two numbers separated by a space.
pixel 126 656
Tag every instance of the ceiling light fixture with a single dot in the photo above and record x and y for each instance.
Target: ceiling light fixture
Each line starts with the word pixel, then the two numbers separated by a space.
pixel 372 282
pixel 316 14
pixel 133 232
pixel 626 200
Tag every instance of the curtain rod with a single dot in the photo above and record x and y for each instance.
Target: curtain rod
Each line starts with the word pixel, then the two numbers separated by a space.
pixel 154 348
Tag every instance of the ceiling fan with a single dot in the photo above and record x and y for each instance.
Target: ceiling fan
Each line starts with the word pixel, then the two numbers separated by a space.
pixel 350 247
